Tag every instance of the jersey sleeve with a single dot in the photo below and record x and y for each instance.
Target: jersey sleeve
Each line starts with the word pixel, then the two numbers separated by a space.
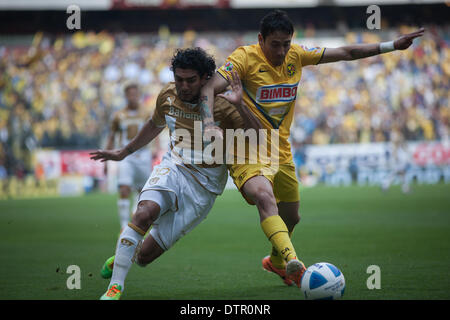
pixel 309 56
pixel 158 117
pixel 236 61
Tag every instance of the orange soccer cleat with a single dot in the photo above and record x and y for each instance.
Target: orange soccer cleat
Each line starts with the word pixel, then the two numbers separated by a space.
pixel 268 266
pixel 295 270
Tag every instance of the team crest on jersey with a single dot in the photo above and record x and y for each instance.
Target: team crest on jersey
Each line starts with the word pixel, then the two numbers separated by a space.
pixel 316 49
pixel 291 69
pixel 228 66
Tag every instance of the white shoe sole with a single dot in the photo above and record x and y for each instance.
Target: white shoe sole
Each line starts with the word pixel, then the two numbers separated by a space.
pixel 293 266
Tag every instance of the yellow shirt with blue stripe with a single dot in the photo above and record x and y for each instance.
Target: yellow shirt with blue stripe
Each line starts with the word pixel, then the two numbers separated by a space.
pixel 270 92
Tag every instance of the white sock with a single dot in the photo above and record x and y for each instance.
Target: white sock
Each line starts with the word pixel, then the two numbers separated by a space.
pixel 124 212
pixel 126 248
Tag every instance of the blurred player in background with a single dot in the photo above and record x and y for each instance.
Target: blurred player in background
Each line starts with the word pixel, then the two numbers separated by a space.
pixel 134 170
pixel 180 192
pixel 270 72
pixel 398 163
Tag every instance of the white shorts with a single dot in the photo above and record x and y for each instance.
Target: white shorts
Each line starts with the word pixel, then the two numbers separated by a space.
pixel 184 202
pixel 134 170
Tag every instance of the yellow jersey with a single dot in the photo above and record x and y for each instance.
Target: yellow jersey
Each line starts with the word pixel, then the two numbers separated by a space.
pixel 270 92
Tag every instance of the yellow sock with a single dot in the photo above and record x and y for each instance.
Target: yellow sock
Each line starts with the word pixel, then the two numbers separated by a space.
pixel 276 231
pixel 276 258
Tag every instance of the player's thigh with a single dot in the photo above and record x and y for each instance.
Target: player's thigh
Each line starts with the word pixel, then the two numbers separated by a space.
pixel 285 184
pixel 253 180
pixel 194 204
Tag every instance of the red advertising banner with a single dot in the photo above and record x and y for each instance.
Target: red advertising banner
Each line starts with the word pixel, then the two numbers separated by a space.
pixel 79 163
pixel 169 4
pixel 431 153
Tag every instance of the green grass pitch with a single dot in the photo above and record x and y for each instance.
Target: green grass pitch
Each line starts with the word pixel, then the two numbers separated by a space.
pixel 407 236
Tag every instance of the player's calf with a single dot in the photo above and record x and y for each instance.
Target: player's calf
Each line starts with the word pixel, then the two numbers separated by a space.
pixel 150 251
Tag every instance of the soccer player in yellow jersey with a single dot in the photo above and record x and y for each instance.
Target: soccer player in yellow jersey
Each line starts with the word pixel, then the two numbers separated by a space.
pixel 270 72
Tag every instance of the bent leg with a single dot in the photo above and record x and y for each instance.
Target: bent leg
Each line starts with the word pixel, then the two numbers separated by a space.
pixel 130 240
pixel 288 211
pixel 259 190
pixel 149 252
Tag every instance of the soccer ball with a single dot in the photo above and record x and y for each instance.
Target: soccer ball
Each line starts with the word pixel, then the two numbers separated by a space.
pixel 322 281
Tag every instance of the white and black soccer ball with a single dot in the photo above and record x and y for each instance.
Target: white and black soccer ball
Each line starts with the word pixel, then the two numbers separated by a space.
pixel 322 281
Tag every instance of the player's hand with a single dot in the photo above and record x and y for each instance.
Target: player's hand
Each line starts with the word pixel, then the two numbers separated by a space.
pixel 105 155
pixel 235 95
pixel 405 41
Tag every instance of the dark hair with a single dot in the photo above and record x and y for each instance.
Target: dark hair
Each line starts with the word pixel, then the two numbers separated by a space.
pixel 276 20
pixel 196 59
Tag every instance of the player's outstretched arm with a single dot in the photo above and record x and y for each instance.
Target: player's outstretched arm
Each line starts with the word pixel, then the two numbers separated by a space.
pixel 148 132
pixel 359 51
pixel 235 97
pixel 214 85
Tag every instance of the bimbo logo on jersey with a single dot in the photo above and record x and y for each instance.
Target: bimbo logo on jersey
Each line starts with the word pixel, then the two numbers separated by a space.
pixel 277 93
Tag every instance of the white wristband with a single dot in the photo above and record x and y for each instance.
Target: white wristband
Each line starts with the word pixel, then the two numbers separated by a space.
pixel 387 46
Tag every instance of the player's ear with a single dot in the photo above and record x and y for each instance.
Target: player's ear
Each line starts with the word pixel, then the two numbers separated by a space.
pixel 203 79
pixel 260 40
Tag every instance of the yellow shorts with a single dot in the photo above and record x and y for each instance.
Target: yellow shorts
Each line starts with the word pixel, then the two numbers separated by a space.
pixel 283 179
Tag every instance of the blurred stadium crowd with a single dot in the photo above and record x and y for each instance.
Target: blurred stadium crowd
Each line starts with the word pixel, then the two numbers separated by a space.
pixel 61 91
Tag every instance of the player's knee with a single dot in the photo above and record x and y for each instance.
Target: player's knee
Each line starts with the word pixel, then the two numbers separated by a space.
pixel 147 212
pixel 124 191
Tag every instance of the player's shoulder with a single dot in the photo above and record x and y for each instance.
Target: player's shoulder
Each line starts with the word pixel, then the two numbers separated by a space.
pixel 244 52
pixel 168 91
pixel 303 49
pixel 297 49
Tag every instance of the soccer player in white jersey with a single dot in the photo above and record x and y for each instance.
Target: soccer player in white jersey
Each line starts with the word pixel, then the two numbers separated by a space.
pixel 398 163
pixel 134 170
pixel 180 192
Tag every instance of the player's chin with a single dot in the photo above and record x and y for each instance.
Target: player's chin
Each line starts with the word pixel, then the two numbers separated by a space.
pixel 278 62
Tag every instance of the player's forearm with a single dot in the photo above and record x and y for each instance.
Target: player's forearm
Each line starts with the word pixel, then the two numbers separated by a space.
pixel 148 132
pixel 249 118
pixel 359 51
pixel 206 105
